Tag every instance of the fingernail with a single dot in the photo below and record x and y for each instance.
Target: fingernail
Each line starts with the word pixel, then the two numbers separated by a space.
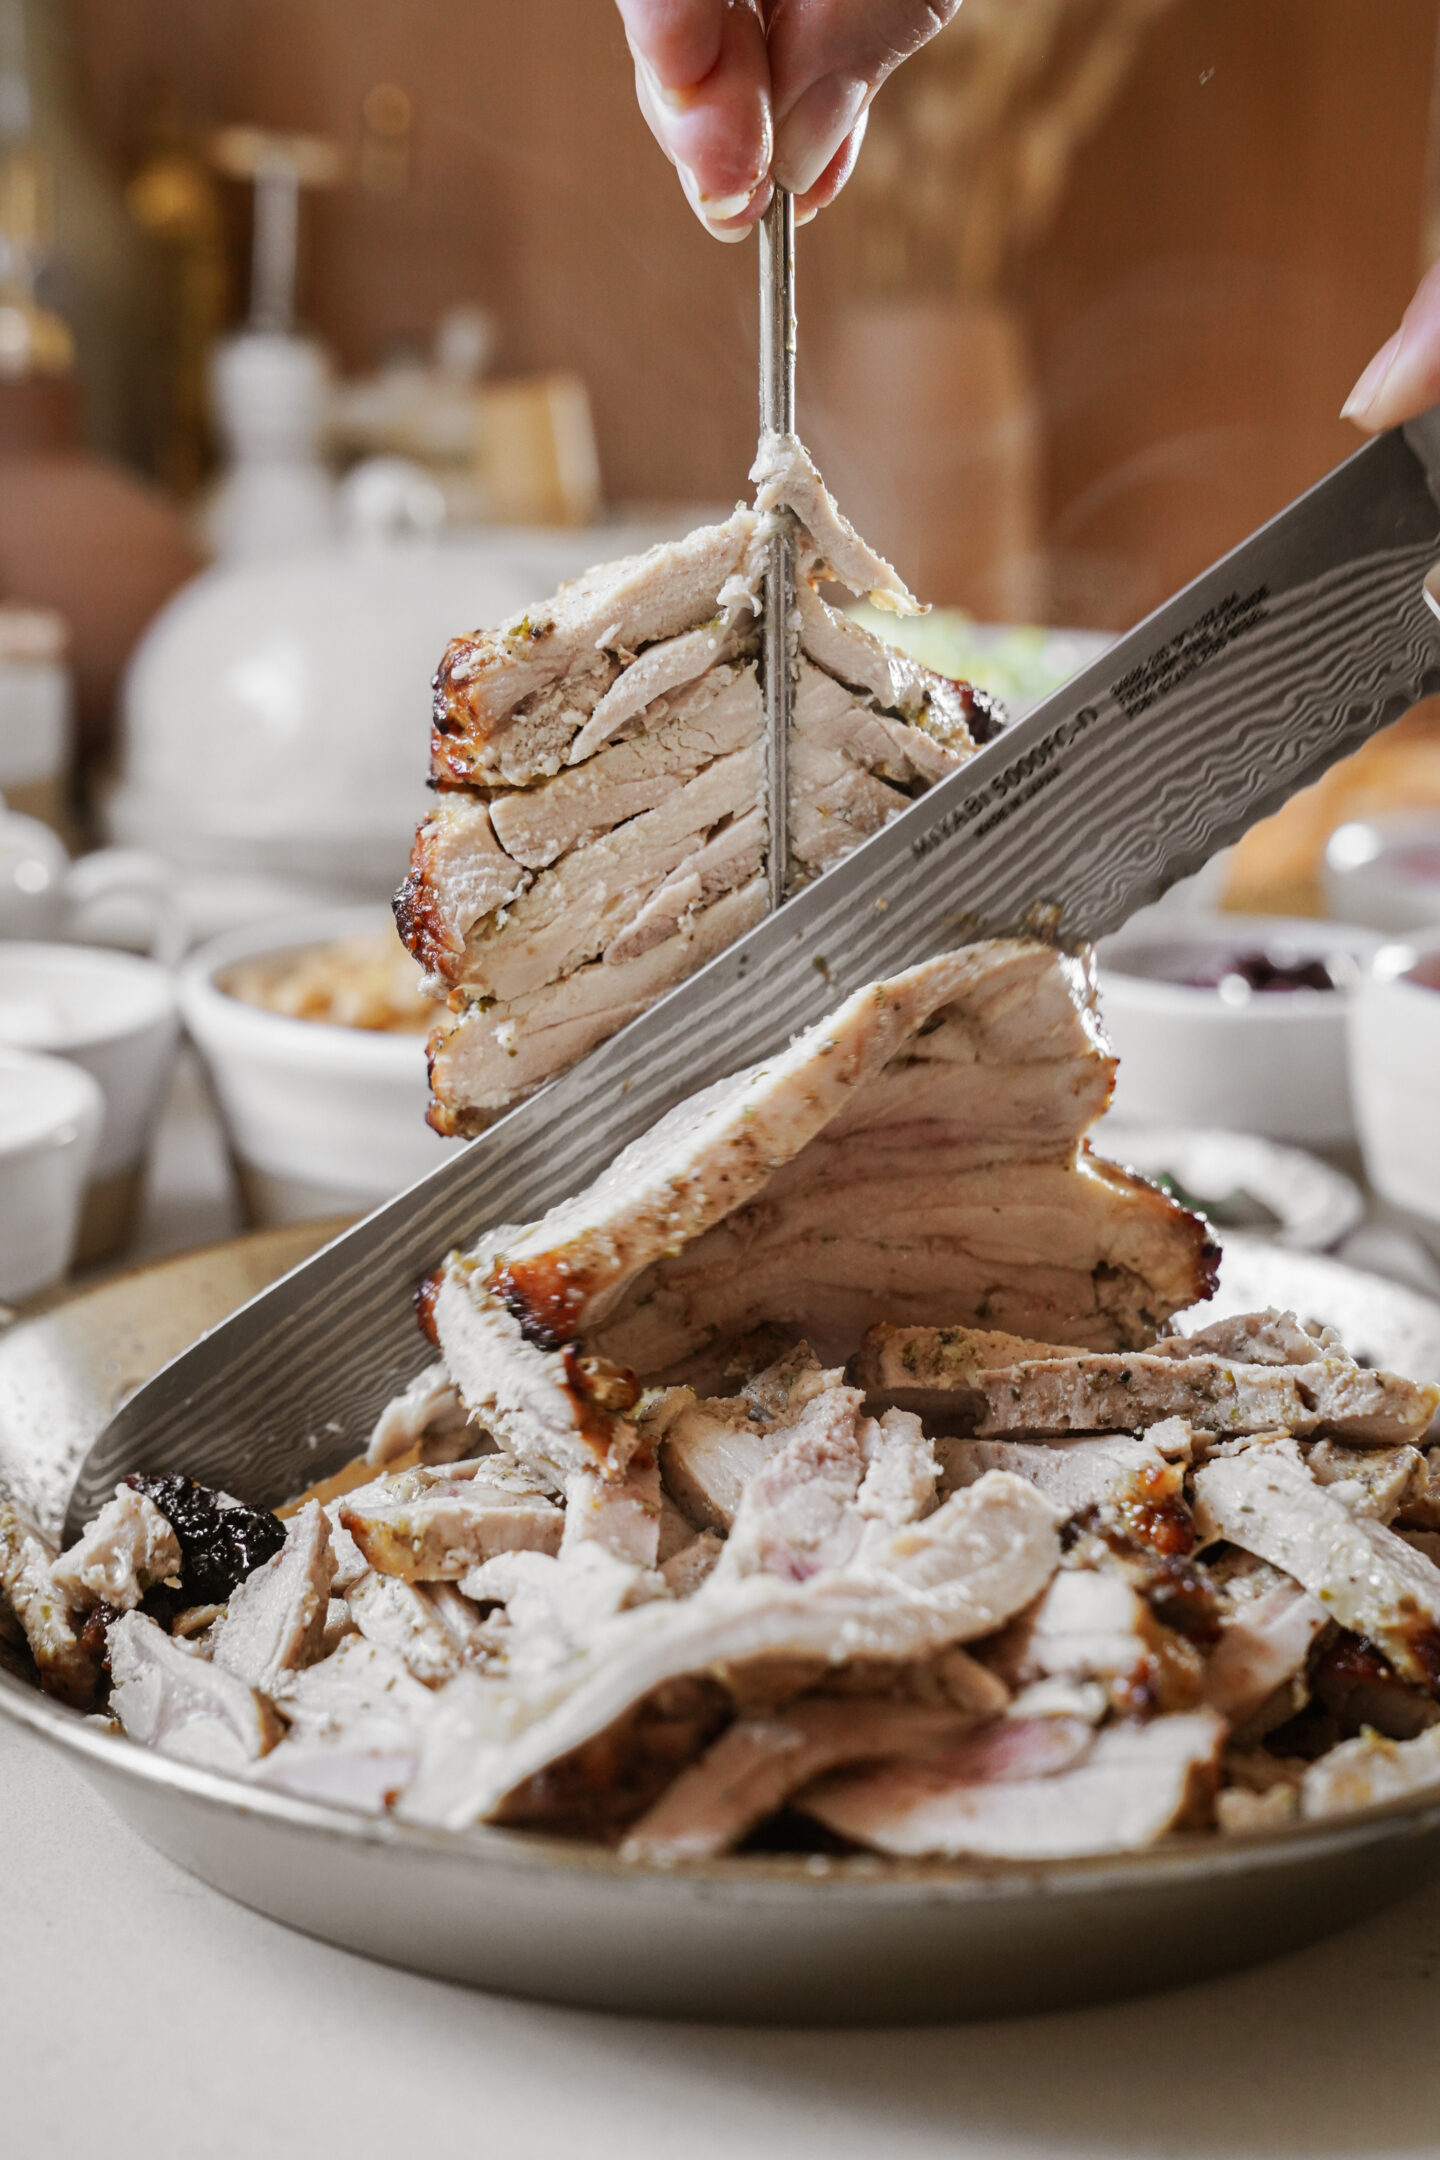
pixel 1372 382
pixel 721 207
pixel 674 101
pixel 814 128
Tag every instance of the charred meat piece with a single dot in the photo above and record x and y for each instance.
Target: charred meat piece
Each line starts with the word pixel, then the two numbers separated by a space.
pixel 221 1540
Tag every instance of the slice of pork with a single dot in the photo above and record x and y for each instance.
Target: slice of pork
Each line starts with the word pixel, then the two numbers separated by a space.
pixel 918 1369
pixel 276 1619
pixel 755 1766
pixel 1364 1771
pixel 429 1409
pixel 401 1617
pixel 121 1554
pixel 1091 1625
pixel 1376 1481
pixel 1365 1576
pixel 876 1163
pixel 1268 1627
pixel 427 1526
pixel 1133 1783
pixel 493 1054
pixel 955 1576
pixel 50 1615
pixel 171 1698
pixel 1129 1479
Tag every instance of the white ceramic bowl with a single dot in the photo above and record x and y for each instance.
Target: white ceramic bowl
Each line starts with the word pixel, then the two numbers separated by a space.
pixel 116 1017
pixel 1385 871
pixel 321 1120
pixel 50 1117
pixel 1395 1070
pixel 1261 1061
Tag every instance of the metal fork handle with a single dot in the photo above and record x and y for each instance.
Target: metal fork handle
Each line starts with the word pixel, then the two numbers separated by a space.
pixel 777 417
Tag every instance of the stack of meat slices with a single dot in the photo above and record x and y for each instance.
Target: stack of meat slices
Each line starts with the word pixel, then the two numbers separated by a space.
pixel 598 834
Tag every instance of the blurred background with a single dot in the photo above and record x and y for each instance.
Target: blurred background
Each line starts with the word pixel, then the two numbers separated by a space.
pixel 332 328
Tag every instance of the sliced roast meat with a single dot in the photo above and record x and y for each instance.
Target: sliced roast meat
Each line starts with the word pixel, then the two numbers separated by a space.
pixel 124 1552
pixel 754 1767
pixel 1129 1479
pixel 494 1053
pixel 1365 1576
pixel 171 1698
pixel 400 1617
pixel 51 1617
pixel 731 1215
pixel 1364 1771
pixel 427 1414
pixel 1376 1481
pixel 276 1619
pixel 601 784
pixel 1133 1783
pixel 1268 1627
pixel 917 1368
pixel 620 1514
pixel 1091 1624
pixel 359 1680
pixel 432 1526
pixel 956 1576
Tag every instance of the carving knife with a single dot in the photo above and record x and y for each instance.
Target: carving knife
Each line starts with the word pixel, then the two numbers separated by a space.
pixel 1278 660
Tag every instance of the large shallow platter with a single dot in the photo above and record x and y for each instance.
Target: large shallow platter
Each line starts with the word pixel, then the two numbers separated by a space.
pixel 803 1940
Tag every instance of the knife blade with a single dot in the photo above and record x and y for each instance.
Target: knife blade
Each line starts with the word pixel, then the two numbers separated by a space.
pixel 1285 655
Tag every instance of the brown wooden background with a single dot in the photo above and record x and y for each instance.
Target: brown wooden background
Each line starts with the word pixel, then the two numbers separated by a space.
pixel 1242 233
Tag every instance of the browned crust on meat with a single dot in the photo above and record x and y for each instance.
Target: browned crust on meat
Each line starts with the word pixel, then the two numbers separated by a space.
pixel 418 919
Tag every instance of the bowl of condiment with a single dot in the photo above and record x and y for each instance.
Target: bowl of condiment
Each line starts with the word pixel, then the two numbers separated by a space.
pixel 1236 1021
pixel 1394 1059
pixel 313 1029
pixel 1385 871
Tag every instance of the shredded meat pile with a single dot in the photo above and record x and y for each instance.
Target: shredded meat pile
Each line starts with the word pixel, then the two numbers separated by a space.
pixel 1017 1575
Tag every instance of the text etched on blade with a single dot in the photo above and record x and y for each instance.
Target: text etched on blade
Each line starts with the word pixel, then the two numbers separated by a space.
pixel 1179 657
pixel 1023 777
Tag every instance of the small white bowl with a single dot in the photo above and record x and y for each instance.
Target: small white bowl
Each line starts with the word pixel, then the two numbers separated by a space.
pixel 50 1118
pixel 1260 1061
pixel 322 1120
pixel 1384 871
pixel 1395 1068
pixel 116 1017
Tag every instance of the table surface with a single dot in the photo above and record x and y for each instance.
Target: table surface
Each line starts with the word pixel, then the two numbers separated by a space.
pixel 140 2012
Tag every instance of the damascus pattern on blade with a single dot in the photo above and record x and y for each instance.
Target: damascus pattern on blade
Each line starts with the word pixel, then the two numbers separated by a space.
pixel 1287 654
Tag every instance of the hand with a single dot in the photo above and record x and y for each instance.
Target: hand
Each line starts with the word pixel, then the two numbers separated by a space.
pixel 747 95
pixel 1403 379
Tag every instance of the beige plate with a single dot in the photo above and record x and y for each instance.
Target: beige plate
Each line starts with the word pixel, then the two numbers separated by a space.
pixel 793 1940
